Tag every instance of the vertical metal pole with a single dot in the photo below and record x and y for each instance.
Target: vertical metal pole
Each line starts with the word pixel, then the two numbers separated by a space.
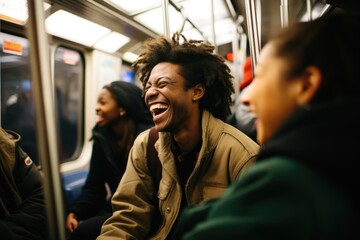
pixel 284 13
pixel 235 50
pixel 213 35
pixel 243 47
pixel 252 23
pixel 165 7
pixel 239 43
pixel 45 118
pixel 309 9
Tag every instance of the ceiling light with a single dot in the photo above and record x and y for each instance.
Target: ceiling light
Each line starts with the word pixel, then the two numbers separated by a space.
pixel 16 11
pixel 203 17
pixel 130 57
pixel 111 42
pixel 224 30
pixel 71 27
pixel 153 19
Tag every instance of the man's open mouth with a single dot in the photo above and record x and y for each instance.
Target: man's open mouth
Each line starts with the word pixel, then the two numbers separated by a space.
pixel 158 108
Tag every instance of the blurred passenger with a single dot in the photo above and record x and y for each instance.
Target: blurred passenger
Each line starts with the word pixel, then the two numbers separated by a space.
pixel 188 90
pixel 68 128
pixel 242 118
pixel 304 184
pixel 19 117
pixel 122 115
pixel 22 204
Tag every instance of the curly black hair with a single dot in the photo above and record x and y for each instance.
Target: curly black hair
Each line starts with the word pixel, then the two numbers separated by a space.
pixel 198 64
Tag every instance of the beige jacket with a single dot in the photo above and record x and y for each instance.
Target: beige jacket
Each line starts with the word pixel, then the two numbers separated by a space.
pixel 225 154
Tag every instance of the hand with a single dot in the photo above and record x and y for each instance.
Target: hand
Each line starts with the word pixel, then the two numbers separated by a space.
pixel 71 222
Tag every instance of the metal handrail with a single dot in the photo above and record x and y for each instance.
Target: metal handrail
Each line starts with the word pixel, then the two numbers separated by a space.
pixel 253 31
pixel 45 118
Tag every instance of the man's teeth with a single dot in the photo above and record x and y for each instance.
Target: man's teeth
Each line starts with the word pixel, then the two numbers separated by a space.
pixel 158 106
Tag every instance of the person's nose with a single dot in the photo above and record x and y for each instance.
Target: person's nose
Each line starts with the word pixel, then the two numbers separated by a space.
pixel 151 93
pixel 245 96
pixel 97 108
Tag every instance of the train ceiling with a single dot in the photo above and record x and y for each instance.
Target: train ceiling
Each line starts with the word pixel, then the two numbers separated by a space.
pixel 215 21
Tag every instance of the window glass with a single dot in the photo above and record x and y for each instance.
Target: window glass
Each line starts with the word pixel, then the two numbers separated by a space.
pixel 17 106
pixel 68 78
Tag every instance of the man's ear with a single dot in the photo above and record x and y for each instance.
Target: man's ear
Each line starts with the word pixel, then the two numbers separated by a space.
pixel 198 92
pixel 309 85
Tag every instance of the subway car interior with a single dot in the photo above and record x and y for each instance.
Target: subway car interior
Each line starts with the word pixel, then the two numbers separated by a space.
pixel 57 54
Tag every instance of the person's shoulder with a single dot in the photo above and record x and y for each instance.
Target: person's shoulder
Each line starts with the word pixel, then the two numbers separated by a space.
pixel 289 174
pixel 8 143
pixel 13 136
pixel 10 135
pixel 219 131
pixel 281 167
pixel 142 137
pixel 278 164
pixel 240 136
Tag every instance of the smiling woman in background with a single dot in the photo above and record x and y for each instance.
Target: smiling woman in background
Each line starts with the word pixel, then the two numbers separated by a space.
pixel 122 115
pixel 304 183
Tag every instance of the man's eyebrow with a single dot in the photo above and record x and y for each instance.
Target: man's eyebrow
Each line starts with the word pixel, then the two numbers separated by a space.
pixel 159 79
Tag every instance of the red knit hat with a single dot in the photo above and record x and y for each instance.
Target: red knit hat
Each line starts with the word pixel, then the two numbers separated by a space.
pixel 247 75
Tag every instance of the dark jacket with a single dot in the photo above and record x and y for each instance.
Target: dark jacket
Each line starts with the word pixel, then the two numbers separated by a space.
pixel 304 184
pixel 107 166
pixel 22 204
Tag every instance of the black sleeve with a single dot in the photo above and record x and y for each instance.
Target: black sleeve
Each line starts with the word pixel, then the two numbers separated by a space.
pixel 5 232
pixel 29 220
pixel 93 194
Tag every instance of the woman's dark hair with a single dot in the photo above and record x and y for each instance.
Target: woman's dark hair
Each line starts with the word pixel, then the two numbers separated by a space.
pixel 129 96
pixel 330 43
pixel 198 64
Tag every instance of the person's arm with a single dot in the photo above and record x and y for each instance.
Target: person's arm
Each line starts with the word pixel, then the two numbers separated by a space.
pixel 5 231
pixel 29 220
pixel 93 194
pixel 132 202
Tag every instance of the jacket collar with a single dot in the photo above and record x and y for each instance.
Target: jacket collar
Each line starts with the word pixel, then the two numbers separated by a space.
pixel 211 131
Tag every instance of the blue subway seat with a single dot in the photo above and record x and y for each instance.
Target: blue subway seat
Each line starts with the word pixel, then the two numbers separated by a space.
pixel 72 185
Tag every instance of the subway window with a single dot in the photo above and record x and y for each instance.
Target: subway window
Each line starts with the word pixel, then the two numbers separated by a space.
pixel 17 105
pixel 69 95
